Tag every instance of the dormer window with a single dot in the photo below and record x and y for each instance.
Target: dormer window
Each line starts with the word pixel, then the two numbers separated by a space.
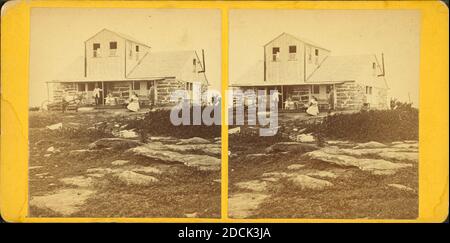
pixel 316 53
pixel 292 52
pixel 112 48
pixel 137 52
pixel 275 54
pixel 96 50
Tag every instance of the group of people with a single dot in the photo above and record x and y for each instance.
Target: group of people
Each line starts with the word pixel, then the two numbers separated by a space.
pixel 313 104
pixel 132 103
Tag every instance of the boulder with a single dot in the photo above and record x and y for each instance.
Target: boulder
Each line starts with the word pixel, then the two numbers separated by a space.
pixel 133 178
pixel 401 187
pixel 374 166
pixel 193 140
pixel 295 166
pixel 202 162
pixel 291 147
pixel 79 181
pixel 305 138
pixel 120 162
pixel 307 182
pixel 370 145
pixel 116 143
pixel 55 126
pixel 253 185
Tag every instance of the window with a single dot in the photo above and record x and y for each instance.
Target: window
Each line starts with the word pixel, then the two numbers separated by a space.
pixel 137 48
pixel 275 54
pixel 368 90
pixel 194 65
pixel 374 65
pixel 81 87
pixel 189 86
pixel 316 89
pixel 292 52
pixel 96 48
pixel 317 52
pixel 112 48
pixel 91 86
pixel 136 85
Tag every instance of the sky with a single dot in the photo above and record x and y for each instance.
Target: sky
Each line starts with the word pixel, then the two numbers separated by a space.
pixel 396 33
pixel 57 37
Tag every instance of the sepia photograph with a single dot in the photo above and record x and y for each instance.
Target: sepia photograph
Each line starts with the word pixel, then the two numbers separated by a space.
pixel 109 92
pixel 329 102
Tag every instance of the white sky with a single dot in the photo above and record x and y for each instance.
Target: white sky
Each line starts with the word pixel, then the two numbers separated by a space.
pixel 58 34
pixel 396 33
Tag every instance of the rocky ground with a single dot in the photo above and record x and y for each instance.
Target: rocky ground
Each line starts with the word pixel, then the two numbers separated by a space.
pixel 343 179
pixel 87 164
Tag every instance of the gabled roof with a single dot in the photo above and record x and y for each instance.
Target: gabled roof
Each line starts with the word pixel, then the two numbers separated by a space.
pixel 334 69
pixel 124 36
pixel 304 40
pixel 163 64
pixel 348 68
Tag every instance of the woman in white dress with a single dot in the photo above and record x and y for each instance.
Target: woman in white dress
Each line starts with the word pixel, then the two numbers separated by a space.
pixel 313 108
pixel 133 104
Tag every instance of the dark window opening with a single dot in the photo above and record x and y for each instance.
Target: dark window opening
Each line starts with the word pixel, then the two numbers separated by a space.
pixel 292 49
pixel 96 48
pixel 317 52
pixel 137 48
pixel 112 45
pixel 91 86
pixel 316 89
pixel 136 86
pixel 373 65
pixel 81 87
pixel 292 52
pixel 275 53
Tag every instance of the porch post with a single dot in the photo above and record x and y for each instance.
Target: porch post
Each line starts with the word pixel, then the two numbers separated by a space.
pixel 103 93
pixel 282 97
pixel 334 96
pixel 309 92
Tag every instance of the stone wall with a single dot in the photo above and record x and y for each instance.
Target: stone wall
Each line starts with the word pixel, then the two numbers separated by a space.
pixel 165 88
pixel 350 96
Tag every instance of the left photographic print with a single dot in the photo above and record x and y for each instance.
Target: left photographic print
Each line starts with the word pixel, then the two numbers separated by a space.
pixel 124 113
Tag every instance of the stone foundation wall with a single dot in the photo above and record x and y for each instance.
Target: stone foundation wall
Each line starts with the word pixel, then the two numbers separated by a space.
pixel 350 96
pixel 165 88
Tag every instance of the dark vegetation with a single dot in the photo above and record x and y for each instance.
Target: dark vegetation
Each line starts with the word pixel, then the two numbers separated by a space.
pixel 157 123
pixel 401 122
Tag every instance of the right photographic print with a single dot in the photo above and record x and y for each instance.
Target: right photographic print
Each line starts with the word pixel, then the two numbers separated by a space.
pixel 323 116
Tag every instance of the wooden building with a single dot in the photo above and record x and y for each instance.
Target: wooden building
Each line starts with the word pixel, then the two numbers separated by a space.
pixel 120 65
pixel 300 69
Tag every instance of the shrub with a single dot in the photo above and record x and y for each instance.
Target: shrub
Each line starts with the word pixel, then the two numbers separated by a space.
pixel 401 123
pixel 157 123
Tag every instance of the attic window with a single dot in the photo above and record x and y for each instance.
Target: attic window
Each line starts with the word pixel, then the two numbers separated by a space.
pixel 292 52
pixel 317 52
pixel 373 65
pixel 96 48
pixel 137 48
pixel 275 54
pixel 112 48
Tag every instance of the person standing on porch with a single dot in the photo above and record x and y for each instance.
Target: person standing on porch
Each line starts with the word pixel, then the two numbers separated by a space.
pixel 151 96
pixel 331 99
pixel 96 94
